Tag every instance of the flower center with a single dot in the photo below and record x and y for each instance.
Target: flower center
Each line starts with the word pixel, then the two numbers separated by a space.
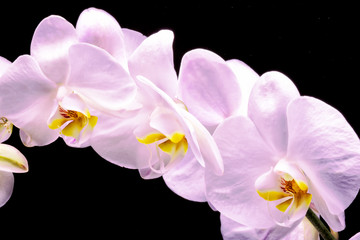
pixel 288 192
pixel 164 136
pixel 173 145
pixel 72 122
pixel 5 125
pixel 289 186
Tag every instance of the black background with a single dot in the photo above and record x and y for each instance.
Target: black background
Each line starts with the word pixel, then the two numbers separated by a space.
pixel 73 192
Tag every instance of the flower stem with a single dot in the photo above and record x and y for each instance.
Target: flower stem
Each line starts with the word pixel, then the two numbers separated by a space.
pixel 319 225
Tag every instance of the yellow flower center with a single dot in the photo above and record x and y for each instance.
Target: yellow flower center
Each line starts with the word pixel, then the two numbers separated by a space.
pixel 77 121
pixel 173 145
pixel 295 190
pixel 5 125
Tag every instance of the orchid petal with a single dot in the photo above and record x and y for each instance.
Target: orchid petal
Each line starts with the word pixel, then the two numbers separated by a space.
pixel 355 237
pixel 22 85
pixel 74 102
pixel 6 186
pixel 26 99
pixel 132 39
pixel 208 87
pixel 186 179
pixel 4 64
pixel 246 157
pixel 335 221
pixel 232 230
pixel 267 108
pixel 99 28
pixel 326 148
pixel 153 59
pixel 12 160
pixel 300 230
pixel 99 79
pixel 114 140
pixel 304 231
pixel 166 122
pixel 209 151
pixel 246 77
pixel 50 44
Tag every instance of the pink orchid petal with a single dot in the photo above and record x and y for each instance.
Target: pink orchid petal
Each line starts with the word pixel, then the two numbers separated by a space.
pixel 12 160
pixel 246 157
pixel 99 28
pixel 149 173
pixel 208 87
pixel 186 179
pixel 165 122
pixel 335 221
pixel 6 186
pixel 4 64
pixel 267 108
pixel 209 151
pixel 99 79
pixel 33 124
pixel 74 102
pixel 27 98
pixel 50 44
pixel 326 148
pixel 114 140
pixel 304 231
pixel 153 59
pixel 232 230
pixel 132 39
pixel 246 77
pixel 300 230
pixel 355 237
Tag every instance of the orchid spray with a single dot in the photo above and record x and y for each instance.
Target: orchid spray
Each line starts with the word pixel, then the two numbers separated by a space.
pixel 270 161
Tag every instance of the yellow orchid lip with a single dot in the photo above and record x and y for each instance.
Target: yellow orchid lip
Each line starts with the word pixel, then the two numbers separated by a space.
pixel 77 121
pixel 293 192
pixel 5 124
pixel 174 145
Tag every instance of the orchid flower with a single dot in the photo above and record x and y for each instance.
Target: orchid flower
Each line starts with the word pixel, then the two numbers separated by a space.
pixel 292 151
pixel 213 89
pixel 59 87
pixel 163 132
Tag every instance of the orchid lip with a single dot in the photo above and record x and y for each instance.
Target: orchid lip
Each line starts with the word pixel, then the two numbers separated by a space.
pixel 72 122
pixel 287 197
pixel 4 123
pixel 174 147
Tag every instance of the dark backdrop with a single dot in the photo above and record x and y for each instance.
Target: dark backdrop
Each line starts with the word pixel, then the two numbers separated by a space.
pixel 73 192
